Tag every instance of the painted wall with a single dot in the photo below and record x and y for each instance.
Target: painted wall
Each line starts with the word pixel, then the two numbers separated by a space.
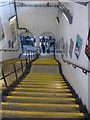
pixel 38 20
pixel 76 77
pixel 8 36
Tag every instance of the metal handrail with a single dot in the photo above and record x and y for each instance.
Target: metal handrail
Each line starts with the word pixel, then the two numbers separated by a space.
pixel 15 70
pixel 84 70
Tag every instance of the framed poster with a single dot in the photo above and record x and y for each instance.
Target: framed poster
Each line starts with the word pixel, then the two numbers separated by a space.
pixel 2 35
pixel 78 46
pixel 66 50
pixel 71 48
pixel 87 48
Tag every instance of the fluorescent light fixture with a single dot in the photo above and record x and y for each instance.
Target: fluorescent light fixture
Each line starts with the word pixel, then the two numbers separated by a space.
pixel 65 17
pixel 57 20
pixel 12 19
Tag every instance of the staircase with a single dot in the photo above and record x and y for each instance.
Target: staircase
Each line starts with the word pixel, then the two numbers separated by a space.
pixel 42 95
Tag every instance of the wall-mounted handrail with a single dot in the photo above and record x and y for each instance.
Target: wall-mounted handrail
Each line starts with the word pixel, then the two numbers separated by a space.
pixel 8 50
pixel 84 70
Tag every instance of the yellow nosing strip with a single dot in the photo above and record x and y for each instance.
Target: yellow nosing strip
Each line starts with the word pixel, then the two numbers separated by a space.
pixel 41 83
pixel 40 98
pixel 47 114
pixel 64 90
pixel 34 93
pixel 44 75
pixel 48 75
pixel 42 105
pixel 41 75
pixel 44 78
pixel 44 86
pixel 38 87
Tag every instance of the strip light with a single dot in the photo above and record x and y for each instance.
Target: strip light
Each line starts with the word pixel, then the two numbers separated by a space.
pixel 65 16
pixel 57 20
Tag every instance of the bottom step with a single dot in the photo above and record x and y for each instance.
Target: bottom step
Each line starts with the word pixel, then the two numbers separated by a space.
pixel 30 114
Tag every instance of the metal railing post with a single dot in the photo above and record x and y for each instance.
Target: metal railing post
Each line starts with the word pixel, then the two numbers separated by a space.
pixel 29 56
pixel 22 67
pixel 4 80
pixel 15 71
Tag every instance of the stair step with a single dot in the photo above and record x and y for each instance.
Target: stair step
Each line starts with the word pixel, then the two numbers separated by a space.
pixel 42 89
pixel 43 86
pixel 40 99
pixel 32 114
pixel 44 78
pixel 41 83
pixel 44 74
pixel 40 107
pixel 40 94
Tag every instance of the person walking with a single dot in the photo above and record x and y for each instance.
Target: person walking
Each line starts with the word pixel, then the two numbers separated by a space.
pixel 43 48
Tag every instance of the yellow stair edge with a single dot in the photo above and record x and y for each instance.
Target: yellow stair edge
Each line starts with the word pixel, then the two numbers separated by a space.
pixel 46 114
pixel 41 105
pixel 39 98
pixel 43 86
pixel 64 90
pixel 44 78
pixel 42 83
pixel 41 74
pixel 41 93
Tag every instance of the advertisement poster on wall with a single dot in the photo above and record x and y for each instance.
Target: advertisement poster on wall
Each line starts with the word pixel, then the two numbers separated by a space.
pixel 2 35
pixel 66 49
pixel 71 48
pixel 78 46
pixel 87 48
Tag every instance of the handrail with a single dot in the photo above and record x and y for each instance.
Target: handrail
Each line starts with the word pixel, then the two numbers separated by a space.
pixel 16 59
pixel 27 65
pixel 84 70
pixel 8 50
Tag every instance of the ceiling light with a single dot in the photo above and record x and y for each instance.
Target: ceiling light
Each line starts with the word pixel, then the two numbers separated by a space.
pixel 65 16
pixel 57 20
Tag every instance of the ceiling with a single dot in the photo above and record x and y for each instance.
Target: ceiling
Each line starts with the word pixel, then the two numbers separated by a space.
pixel 57 0
pixel 53 1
